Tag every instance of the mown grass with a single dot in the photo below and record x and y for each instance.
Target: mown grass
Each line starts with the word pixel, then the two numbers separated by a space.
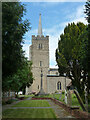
pixel 57 96
pixel 32 103
pixel 44 96
pixel 26 96
pixel 74 100
pixel 60 97
pixel 29 113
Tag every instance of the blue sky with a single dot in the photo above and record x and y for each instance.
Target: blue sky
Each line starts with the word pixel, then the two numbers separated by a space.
pixel 55 16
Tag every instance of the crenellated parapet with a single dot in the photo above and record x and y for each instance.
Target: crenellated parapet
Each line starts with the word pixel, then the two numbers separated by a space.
pixel 38 37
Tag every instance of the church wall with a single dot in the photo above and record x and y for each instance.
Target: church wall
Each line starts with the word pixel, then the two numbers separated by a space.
pixel 52 83
pixel 53 71
pixel 30 52
pixel 38 55
pixel 37 79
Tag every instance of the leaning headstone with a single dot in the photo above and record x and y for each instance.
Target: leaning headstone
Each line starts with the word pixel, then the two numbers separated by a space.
pixel 86 98
pixel 69 98
pixel 65 96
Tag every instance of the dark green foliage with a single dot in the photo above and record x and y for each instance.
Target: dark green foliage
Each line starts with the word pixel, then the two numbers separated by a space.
pixel 74 96
pixel 87 12
pixel 71 55
pixel 15 68
pixel 16 96
pixel 3 103
pixel 13 29
pixel 9 101
pixel 63 92
pixel 22 78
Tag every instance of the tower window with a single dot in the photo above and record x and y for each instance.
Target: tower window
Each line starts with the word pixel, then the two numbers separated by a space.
pixel 59 85
pixel 40 63
pixel 40 46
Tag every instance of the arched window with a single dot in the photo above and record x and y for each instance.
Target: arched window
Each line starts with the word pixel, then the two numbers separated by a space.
pixel 59 85
pixel 40 46
pixel 40 63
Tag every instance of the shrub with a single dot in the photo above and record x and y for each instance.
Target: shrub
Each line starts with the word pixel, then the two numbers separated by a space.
pixel 63 92
pixel 3 103
pixel 56 91
pixel 21 98
pixel 74 96
pixel 9 101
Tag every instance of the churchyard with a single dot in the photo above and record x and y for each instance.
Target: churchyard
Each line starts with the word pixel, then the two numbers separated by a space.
pixel 32 107
pixel 34 112
pixel 35 75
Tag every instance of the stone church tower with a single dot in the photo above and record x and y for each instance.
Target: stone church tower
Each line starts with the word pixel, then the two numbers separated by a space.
pixel 39 55
pixel 46 80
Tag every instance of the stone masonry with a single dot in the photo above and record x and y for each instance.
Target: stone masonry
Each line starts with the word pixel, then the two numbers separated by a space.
pixel 39 55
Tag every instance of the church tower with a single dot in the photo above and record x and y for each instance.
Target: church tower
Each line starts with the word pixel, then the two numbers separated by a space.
pixel 39 55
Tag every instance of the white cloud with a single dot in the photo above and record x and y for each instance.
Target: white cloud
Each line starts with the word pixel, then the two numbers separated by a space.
pixel 26 49
pixel 44 0
pixel 55 31
pixel 52 0
pixel 78 15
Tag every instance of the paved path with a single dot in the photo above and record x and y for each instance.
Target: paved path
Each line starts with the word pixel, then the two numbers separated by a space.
pixel 4 107
pixel 60 112
pixel 29 107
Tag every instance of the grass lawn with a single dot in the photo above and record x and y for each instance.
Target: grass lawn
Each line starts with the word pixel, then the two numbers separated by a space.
pixel 44 96
pixel 75 101
pixel 73 97
pixel 29 113
pixel 57 96
pixel 25 96
pixel 32 103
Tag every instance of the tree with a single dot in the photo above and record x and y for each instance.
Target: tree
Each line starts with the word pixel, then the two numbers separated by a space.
pixel 13 30
pixel 22 78
pixel 87 46
pixel 68 55
pixel 87 11
pixel 26 76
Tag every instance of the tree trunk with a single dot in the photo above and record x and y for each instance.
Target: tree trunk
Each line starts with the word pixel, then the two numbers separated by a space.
pixel 24 88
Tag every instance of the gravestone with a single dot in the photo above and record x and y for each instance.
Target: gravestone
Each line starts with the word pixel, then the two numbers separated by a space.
pixel 69 98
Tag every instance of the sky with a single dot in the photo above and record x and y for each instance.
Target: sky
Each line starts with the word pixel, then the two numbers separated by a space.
pixel 55 16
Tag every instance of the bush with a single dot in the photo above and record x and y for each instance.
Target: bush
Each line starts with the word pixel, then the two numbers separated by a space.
pixel 9 101
pixel 3 103
pixel 74 96
pixel 56 91
pixel 21 98
pixel 63 92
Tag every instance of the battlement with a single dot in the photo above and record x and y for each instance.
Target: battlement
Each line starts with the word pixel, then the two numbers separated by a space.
pixel 38 37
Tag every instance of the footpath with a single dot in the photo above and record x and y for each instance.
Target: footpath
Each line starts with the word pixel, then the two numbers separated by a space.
pixel 59 111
